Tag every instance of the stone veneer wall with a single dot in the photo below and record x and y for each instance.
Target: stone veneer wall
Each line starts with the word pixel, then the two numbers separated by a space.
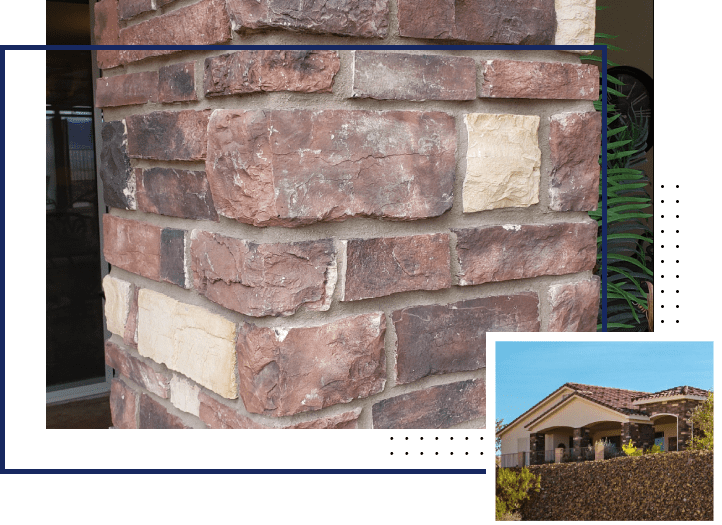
pixel 322 239
pixel 670 486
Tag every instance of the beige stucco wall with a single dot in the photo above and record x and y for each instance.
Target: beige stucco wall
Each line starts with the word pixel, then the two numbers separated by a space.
pixel 577 413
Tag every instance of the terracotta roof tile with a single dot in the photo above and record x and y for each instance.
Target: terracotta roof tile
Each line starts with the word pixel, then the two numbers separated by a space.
pixel 676 391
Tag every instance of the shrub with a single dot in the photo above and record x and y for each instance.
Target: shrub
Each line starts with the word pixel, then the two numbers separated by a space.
pixel 631 450
pixel 512 488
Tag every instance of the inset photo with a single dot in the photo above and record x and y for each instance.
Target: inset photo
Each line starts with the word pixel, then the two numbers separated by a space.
pixel 605 430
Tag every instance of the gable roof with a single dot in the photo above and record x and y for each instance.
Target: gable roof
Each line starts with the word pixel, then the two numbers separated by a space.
pixel 617 399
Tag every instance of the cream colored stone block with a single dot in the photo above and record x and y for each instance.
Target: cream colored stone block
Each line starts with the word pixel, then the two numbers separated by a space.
pixel 502 161
pixel 575 23
pixel 117 303
pixel 184 395
pixel 190 340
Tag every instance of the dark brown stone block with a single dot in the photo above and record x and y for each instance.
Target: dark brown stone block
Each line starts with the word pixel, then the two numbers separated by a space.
pixel 287 371
pixel 175 192
pixel 401 76
pixel 575 306
pixel 177 83
pixel 575 141
pixel 137 370
pixel 154 415
pixel 203 23
pixel 440 406
pixel 263 279
pixel 168 135
pixel 125 90
pixel 440 339
pixel 123 405
pixel 363 18
pixel 172 256
pixel 115 170
pixel 547 80
pixel 295 167
pixel 379 267
pixel 501 253
pixel 270 70
pixel 528 22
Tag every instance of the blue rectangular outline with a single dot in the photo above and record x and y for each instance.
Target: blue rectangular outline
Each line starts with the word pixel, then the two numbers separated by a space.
pixel 5 48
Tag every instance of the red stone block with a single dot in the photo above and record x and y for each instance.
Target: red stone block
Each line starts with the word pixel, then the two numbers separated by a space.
pixel 106 31
pixel 255 71
pixel 263 279
pixel 295 167
pixel 379 267
pixel 125 90
pixel 287 371
pixel 131 245
pixel 154 415
pixel 123 405
pixel 131 8
pixel 547 80
pixel 137 370
pixel 575 306
pixel 175 192
pixel 502 253
pixel 440 406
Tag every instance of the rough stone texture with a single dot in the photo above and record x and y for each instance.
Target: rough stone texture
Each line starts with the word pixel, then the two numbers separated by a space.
pixel 154 415
pixel 363 18
pixel 440 406
pixel 218 415
pixel 294 167
pixel 106 33
pixel 188 339
pixel 575 306
pixel 131 8
pixel 441 339
pixel 130 336
pixel 674 486
pixel 501 253
pixel 287 371
pixel 503 160
pixel 401 76
pixel 123 404
pixel 270 70
pixel 263 279
pixel 118 295
pixel 345 420
pixel 175 192
pixel 172 256
pixel 176 83
pixel 133 246
pixel 531 22
pixel 548 80
pixel 137 370
pixel 575 140
pixel 126 90
pixel 115 171
pixel 575 22
pixel 379 267
pixel 200 24
pixel 168 135
pixel 184 395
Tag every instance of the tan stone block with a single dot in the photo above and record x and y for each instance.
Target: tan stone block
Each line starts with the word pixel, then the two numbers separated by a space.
pixel 184 395
pixel 118 294
pixel 502 161
pixel 575 23
pixel 188 339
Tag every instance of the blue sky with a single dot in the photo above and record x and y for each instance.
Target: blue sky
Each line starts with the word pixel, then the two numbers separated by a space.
pixel 528 371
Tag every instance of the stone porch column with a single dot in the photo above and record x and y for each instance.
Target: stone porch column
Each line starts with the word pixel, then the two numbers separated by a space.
pixel 641 434
pixel 536 446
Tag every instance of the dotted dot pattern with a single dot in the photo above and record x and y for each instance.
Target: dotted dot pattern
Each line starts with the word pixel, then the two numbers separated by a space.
pixel 670 255
pixel 436 438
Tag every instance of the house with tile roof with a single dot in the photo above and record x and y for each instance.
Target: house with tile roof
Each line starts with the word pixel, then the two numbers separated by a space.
pixel 575 416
